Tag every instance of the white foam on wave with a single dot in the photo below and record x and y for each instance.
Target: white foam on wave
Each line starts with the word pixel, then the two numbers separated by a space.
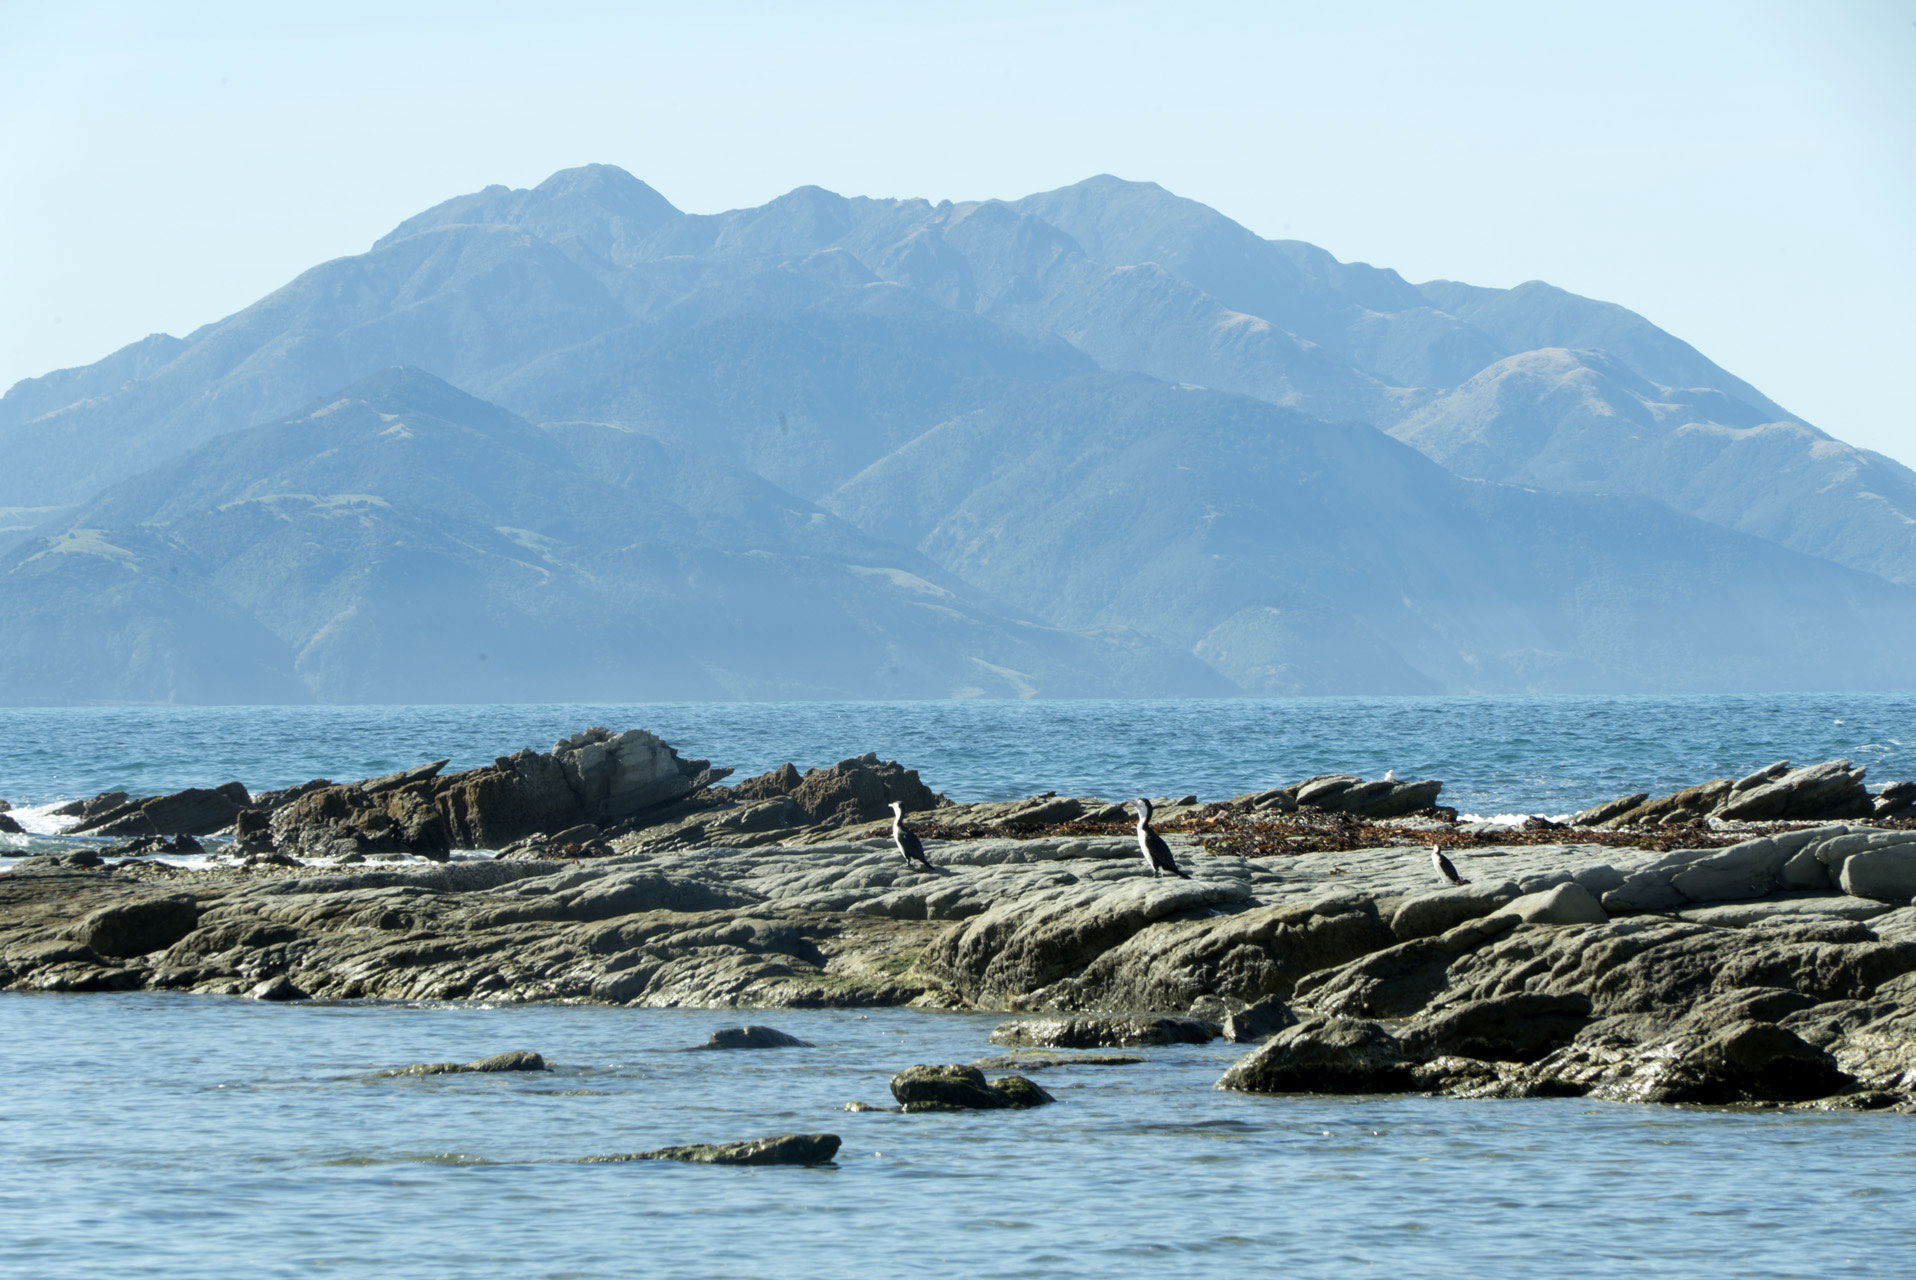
pixel 40 820
pixel 1512 819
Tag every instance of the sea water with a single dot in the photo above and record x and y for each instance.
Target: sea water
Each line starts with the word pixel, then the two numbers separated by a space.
pixel 172 1135
pixel 175 1135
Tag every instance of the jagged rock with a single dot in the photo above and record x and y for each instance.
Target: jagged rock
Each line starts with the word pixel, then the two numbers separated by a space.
pixel 753 1037
pixel 860 789
pixel 781 781
pixel 194 811
pixel 595 777
pixel 1258 1021
pixel 1597 815
pixel 1895 800
pixel 1102 1032
pixel 85 810
pixel 140 927
pixel 1324 1055
pixel 514 1060
pixel 790 1148
pixel 1832 789
pixel 8 827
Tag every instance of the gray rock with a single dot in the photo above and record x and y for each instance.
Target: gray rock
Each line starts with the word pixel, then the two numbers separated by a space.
pixel 1567 903
pixel 1324 1055
pixel 1832 789
pixel 1886 874
pixel 140 927
pixel 1521 1027
pixel 1598 814
pixel 1102 1032
pixel 956 1087
pixel 514 1060
pixel 8 827
pixel 1259 1021
pixel 1428 914
pixel 277 990
pixel 753 1037
pixel 790 1148
pixel 194 811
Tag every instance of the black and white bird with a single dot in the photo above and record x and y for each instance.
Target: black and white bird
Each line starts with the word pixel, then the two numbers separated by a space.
pixel 905 839
pixel 1157 854
pixel 1443 865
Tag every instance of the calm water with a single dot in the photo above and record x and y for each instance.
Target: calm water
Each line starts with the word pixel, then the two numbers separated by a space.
pixel 170 1136
pixel 1495 755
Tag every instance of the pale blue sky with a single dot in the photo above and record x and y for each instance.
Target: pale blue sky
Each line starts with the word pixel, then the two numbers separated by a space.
pixel 1743 174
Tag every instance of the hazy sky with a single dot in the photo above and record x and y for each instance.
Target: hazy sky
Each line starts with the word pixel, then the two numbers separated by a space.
pixel 1742 174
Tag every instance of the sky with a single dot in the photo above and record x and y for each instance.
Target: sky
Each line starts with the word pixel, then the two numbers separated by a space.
pixel 1742 174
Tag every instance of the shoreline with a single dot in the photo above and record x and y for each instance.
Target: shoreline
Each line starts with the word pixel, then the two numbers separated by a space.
pixel 1681 961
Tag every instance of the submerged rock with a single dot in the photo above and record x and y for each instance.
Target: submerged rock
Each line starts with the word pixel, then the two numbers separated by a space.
pixel 753 1037
pixel 515 1060
pixel 790 1148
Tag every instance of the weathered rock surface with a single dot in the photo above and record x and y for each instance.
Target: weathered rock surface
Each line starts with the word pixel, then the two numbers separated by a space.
pixel 195 811
pixel 790 1148
pixel 1324 1055
pixel 1105 1032
pixel 1259 1021
pixel 1830 791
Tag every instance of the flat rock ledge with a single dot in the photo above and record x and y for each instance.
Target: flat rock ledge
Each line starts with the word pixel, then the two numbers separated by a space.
pixel 1779 968
pixel 791 1148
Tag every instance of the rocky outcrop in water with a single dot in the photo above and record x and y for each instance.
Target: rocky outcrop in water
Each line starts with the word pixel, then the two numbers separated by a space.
pixel 790 1148
pixel 956 1087
pixel 1830 791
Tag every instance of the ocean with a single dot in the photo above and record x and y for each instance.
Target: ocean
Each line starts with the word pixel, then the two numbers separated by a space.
pixel 175 1135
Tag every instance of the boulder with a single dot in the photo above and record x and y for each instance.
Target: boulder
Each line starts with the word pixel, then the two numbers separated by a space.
pixel 1818 792
pixel 1102 1032
pixel 1896 800
pixel 278 990
pixel 790 1148
pixel 1259 1021
pixel 753 1037
pixel 140 927
pixel 91 808
pixel 1597 815
pixel 781 781
pixel 1887 873
pixel 1521 1027
pixel 1425 915
pixel 1567 903
pixel 1324 1055
pixel 955 1087
pixel 8 827
pixel 860 789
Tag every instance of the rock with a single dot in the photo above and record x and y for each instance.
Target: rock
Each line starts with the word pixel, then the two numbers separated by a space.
pixel 952 1087
pixel 1020 1093
pixel 1832 789
pixel 140 927
pixel 194 811
pixel 1597 815
pixel 8 827
pixel 753 1037
pixel 790 1148
pixel 1259 1021
pixel 515 1060
pixel 85 810
pixel 1521 1027
pixel 1046 1061
pixel 1324 1055
pixel 1102 1032
pixel 1767 773
pixel 781 781
pixel 278 989
pixel 1427 914
pixel 1887 874
pixel 1567 903
pixel 860 789
pixel 1895 800
pixel 1755 1062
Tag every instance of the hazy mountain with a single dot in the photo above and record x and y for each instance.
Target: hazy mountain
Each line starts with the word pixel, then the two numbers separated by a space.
pixel 406 541
pixel 1300 557
pixel 1582 421
pixel 964 390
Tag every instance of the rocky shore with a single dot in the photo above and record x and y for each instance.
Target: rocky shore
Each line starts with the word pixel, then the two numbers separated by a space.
pixel 1677 950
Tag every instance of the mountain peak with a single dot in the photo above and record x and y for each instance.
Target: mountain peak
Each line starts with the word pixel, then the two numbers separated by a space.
pixel 598 205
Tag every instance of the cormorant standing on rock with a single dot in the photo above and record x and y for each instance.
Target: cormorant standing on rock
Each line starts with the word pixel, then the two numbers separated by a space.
pixel 1443 865
pixel 1157 854
pixel 907 842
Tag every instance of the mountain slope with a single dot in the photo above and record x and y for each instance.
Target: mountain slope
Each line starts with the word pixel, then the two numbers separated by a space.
pixel 406 542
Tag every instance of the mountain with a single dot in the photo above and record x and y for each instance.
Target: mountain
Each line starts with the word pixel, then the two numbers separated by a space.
pixel 1099 438
pixel 404 541
pixel 1296 556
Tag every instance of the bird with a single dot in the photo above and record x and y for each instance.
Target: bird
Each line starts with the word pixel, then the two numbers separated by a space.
pixel 1157 854
pixel 1390 775
pixel 907 842
pixel 1443 865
